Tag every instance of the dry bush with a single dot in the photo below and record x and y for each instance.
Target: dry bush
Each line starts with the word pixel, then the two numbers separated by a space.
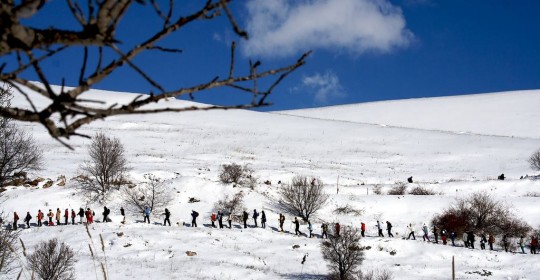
pixel 238 175
pixel 53 261
pixel 418 190
pixel 399 189
pixel 534 160
pixel 374 275
pixel 377 190
pixel 343 253
pixel 152 193
pixel 18 150
pixel 8 255
pixel 481 213
pixel 348 210
pixel 302 197
pixel 106 168
pixel 234 205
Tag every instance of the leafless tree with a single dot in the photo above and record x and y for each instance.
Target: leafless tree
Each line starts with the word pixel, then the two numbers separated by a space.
pixel 534 160
pixel 152 193
pixel 238 175
pixel 343 252
pixel 481 212
pixel 18 150
pixel 107 166
pixel 302 197
pixel 94 34
pixel 8 255
pixel 53 261
pixel 234 205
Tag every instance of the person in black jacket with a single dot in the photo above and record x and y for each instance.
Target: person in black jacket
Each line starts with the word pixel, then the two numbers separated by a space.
pixel 27 219
pixel 81 215
pixel 167 215
pixel 389 229
pixel 194 216
pixel 255 216
pixel 123 213
pixel 297 226
pixel 470 239
pixel 246 217
pixel 263 219
pixel 106 213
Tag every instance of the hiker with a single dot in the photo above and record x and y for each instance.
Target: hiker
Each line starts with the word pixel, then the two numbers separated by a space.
pixel 362 228
pixel 106 212
pixel 410 228
pixel 443 236
pixel 337 228
pixel 246 216
pixel 73 215
pixel 50 215
pixel 297 226
pixel 410 180
pixel 483 241
pixel 27 219
pixel 123 213
pixel 220 218
pixel 229 220
pixel 501 177
pixel 15 220
pixel 379 229
pixel 213 219
pixel 66 216
pixel 255 216
pixel 522 244
pixel 89 216
pixel 281 221
pixel 491 240
pixel 58 216
pixel 389 229
pixel 534 244
pixel 453 236
pixel 263 219
pixel 470 239
pixel 39 217
pixel 310 228
pixel 167 216
pixel 426 231
pixel 436 233
pixel 81 215
pixel 505 242
pixel 465 239
pixel 146 214
pixel 324 231
pixel 194 215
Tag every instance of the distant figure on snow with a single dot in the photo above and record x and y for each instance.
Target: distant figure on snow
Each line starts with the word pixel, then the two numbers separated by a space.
pixel 106 212
pixel 310 228
pixel 15 220
pixel 324 233
pixel 255 216
pixel 410 228
pixel 194 215
pixel 246 217
pixel 337 228
pixel 410 180
pixel 281 221
pixel 297 226
pixel 213 218
pixel 501 177
pixel 426 232
pixel 362 229
pixel 27 219
pixel 379 229
pixel 263 219
pixel 147 214
pixel 167 216
pixel 389 229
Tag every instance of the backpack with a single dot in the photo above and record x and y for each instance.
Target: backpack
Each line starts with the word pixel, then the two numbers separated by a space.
pixel 195 214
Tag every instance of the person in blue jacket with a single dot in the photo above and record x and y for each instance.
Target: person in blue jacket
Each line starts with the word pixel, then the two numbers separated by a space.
pixel 147 214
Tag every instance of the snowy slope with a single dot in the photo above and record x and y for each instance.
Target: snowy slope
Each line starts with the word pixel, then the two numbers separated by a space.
pixel 513 114
pixel 187 150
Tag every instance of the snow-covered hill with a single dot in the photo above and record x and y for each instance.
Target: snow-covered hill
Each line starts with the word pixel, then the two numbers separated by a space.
pixel 420 138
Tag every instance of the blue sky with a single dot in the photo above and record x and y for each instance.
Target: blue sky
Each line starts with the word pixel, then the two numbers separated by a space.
pixel 363 50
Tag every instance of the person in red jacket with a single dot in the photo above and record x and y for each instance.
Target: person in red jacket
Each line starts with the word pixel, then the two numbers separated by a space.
pixel 89 217
pixel 73 215
pixel 362 229
pixel 491 240
pixel 15 219
pixel 39 217
pixel 338 227
pixel 534 244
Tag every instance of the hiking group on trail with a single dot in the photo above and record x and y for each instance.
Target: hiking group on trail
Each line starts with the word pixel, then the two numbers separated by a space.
pixel 468 237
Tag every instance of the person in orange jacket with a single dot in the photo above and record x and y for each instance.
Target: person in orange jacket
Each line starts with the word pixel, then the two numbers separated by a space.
pixel 39 217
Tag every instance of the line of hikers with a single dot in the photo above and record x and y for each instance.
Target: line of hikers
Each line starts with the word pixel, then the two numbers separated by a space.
pixel 88 215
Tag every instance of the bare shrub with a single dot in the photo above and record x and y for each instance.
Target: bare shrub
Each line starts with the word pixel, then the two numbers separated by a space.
pixel 348 210
pixel 375 275
pixel 152 193
pixel 534 160
pixel 343 252
pixel 232 205
pixel 481 212
pixel 399 189
pixel 418 190
pixel 238 175
pixel 377 190
pixel 18 151
pixel 302 197
pixel 106 168
pixel 8 255
pixel 53 261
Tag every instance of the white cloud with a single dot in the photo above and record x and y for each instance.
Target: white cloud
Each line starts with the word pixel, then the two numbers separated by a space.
pixel 323 86
pixel 286 27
